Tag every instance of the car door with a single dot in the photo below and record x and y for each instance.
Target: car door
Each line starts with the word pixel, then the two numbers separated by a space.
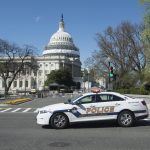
pixel 82 106
pixel 108 106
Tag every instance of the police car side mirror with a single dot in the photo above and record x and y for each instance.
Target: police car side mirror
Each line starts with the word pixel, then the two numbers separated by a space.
pixel 78 102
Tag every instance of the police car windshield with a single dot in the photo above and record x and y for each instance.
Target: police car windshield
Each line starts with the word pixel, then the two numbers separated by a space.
pixel 71 101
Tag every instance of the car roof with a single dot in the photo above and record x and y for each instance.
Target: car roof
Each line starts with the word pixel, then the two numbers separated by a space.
pixel 113 93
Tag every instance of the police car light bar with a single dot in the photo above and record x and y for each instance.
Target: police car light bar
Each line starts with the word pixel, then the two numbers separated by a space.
pixel 95 90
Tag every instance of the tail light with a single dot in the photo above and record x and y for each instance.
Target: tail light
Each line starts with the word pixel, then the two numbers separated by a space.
pixel 144 103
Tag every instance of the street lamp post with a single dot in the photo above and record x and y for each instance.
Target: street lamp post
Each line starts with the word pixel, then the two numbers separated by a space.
pixel 108 62
pixel 88 80
pixel 25 84
pixel 83 80
pixel 109 75
pixel 26 69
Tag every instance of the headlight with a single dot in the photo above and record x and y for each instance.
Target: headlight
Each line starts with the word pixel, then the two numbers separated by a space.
pixel 43 111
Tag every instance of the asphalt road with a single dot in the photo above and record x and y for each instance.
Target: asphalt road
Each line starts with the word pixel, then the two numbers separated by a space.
pixel 19 131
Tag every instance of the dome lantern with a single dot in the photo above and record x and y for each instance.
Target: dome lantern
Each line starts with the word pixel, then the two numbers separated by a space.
pixel 61 24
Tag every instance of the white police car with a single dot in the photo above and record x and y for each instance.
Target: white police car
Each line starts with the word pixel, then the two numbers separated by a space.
pixel 94 107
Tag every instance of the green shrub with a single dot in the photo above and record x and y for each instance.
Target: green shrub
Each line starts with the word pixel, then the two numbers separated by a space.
pixel 133 90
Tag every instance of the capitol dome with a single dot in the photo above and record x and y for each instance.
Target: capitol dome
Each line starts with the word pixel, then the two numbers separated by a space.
pixel 61 42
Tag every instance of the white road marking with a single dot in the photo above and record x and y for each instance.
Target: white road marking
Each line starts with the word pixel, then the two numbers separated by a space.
pixel 19 110
pixel 26 110
pixel 16 110
pixel 6 110
pixel 36 110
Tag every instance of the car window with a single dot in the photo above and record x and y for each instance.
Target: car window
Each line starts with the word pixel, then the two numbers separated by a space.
pixel 109 97
pixel 104 97
pixel 98 98
pixel 88 99
pixel 117 98
pixel 71 101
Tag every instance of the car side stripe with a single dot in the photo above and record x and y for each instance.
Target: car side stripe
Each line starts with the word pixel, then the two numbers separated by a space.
pixel 78 114
pixel 98 114
pixel 140 111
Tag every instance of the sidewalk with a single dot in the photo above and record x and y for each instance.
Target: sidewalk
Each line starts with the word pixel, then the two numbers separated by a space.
pixel 3 104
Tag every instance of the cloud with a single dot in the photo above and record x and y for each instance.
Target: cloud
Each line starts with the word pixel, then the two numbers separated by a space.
pixel 37 18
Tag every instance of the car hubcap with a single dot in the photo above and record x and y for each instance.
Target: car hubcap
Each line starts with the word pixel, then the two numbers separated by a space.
pixel 60 121
pixel 126 119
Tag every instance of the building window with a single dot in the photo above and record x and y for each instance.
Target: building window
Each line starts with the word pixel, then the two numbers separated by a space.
pixel 26 84
pixel 3 84
pixel 46 65
pixel 40 83
pixel 40 72
pixel 46 71
pixel 15 83
pixel 20 83
pixel 35 73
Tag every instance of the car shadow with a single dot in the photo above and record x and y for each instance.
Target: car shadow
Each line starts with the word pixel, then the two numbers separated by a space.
pixel 95 124
pixel 108 124
pixel 101 124
pixel 47 127
pixel 141 123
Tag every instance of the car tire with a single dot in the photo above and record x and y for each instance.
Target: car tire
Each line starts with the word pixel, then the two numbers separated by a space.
pixel 59 121
pixel 125 119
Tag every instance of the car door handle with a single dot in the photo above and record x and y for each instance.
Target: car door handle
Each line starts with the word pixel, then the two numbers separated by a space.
pixel 92 105
pixel 117 104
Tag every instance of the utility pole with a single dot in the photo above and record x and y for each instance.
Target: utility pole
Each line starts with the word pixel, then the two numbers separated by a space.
pixel 88 80
pixel 109 75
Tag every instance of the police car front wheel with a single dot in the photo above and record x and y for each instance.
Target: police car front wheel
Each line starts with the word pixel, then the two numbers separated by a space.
pixel 59 121
pixel 125 119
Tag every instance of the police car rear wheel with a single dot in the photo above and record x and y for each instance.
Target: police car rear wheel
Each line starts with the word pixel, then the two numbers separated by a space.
pixel 125 119
pixel 59 121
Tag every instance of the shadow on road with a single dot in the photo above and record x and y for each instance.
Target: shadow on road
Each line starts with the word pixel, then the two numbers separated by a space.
pixel 97 124
pixel 143 123
pixel 101 124
pixel 47 127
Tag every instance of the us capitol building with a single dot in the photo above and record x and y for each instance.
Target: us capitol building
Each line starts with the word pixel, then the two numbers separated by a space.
pixel 60 53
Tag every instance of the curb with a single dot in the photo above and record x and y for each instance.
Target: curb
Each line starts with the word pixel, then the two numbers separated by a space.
pixel 3 104
pixel 16 101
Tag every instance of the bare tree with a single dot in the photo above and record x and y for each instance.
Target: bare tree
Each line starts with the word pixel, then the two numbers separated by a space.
pixel 13 60
pixel 123 46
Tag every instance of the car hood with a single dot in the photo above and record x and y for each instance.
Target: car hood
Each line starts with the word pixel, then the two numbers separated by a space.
pixel 54 107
